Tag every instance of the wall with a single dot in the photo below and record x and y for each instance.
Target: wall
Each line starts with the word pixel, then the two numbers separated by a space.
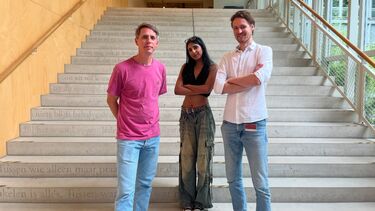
pixel 219 4
pixel 143 3
pixel 208 3
pixel 23 22
pixel 137 3
pixel 260 4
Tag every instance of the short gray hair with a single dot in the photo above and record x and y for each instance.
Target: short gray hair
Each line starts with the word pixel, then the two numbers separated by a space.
pixel 146 25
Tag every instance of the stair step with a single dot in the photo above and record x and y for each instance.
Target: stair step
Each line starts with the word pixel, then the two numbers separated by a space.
pixel 181 12
pixel 293 62
pixel 185 34
pixel 181 19
pixel 170 129
pixel 175 206
pixel 173 114
pixel 131 24
pixel 102 146
pixel 170 54
pixel 273 101
pixel 174 70
pixel 285 90
pixel 76 78
pixel 101 190
pixel 180 47
pixel 105 166
pixel 199 29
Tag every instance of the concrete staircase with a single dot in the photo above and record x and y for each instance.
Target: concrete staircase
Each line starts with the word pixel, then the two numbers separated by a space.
pixel 65 158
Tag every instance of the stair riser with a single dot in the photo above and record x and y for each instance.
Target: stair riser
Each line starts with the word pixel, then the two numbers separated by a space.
pixel 132 24
pixel 183 19
pixel 153 19
pixel 273 40
pixel 172 170
pixel 271 90
pixel 109 130
pixel 165 195
pixel 272 101
pixel 174 115
pixel 186 34
pixel 187 14
pixel 109 149
pixel 180 46
pixel 174 70
pixel 319 195
pixel 178 62
pixel 113 19
pixel 165 55
pixel 171 79
pixel 197 29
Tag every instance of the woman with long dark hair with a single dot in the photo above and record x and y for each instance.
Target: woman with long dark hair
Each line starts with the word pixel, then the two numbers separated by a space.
pixel 197 126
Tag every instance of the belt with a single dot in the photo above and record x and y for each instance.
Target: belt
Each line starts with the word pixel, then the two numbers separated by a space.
pixel 194 110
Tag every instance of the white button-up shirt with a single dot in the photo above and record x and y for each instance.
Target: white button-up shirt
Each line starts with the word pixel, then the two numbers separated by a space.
pixel 249 105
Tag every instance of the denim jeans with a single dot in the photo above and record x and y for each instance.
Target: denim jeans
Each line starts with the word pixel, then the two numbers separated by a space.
pixel 197 130
pixel 236 138
pixel 136 168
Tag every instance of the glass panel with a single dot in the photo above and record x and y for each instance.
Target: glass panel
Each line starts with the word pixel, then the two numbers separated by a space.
pixel 339 15
pixel 369 38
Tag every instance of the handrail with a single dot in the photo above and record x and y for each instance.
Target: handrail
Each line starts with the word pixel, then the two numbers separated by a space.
pixel 350 49
pixel 325 23
pixel 36 45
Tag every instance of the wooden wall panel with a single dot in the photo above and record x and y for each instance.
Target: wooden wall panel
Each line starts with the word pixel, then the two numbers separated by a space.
pixel 23 22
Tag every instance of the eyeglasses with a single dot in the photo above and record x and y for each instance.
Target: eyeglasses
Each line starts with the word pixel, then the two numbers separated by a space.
pixel 191 39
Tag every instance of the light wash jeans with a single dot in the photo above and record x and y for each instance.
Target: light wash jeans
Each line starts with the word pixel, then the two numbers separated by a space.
pixel 197 130
pixel 256 146
pixel 136 168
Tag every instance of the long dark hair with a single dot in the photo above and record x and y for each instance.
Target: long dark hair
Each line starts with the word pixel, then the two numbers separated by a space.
pixel 190 62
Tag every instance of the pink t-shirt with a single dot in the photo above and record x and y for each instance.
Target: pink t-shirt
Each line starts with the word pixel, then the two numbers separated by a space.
pixel 138 87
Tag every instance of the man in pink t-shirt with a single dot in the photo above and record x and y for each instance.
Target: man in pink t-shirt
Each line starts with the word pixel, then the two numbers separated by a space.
pixel 133 92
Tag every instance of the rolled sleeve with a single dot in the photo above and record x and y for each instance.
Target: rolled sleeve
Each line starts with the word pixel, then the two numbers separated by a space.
pixel 265 58
pixel 221 77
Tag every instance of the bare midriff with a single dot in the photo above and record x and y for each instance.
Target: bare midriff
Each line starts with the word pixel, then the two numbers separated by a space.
pixel 194 101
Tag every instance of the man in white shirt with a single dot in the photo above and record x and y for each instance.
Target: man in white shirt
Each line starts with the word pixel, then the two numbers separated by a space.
pixel 243 74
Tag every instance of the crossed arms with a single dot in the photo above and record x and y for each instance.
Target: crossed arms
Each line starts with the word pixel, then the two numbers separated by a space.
pixel 239 84
pixel 181 89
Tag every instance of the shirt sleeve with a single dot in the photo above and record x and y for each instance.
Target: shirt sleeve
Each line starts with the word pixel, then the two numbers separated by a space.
pixel 115 83
pixel 163 88
pixel 265 58
pixel 221 77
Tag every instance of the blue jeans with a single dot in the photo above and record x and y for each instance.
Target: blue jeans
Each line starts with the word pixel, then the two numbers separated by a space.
pixel 236 138
pixel 197 130
pixel 136 168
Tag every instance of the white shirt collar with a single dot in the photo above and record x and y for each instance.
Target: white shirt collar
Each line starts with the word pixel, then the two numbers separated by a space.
pixel 250 47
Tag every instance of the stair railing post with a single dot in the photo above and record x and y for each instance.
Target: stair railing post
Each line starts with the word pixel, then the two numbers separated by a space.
pixel 361 92
pixel 286 12
pixel 314 42
pixel 314 36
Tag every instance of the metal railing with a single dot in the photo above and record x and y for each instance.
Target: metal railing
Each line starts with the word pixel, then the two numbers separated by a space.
pixel 35 46
pixel 349 69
